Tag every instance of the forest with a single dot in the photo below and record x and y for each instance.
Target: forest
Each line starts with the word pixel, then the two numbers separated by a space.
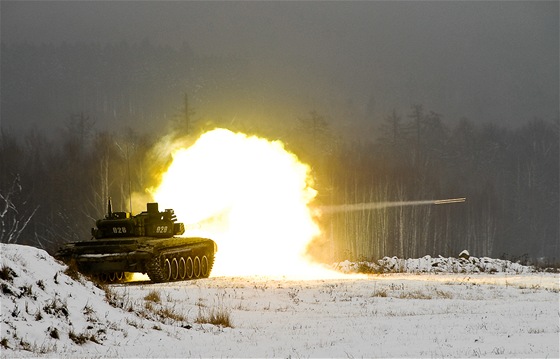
pixel 53 187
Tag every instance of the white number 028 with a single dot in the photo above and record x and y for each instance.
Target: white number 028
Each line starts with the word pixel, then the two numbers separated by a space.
pixel 161 229
pixel 119 230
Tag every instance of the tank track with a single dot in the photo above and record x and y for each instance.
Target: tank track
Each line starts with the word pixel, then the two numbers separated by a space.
pixel 176 267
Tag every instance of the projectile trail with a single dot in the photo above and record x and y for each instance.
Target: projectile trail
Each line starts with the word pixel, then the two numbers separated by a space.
pixel 450 200
pixel 379 205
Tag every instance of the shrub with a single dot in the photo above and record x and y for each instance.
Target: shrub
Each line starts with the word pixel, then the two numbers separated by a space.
pixel 57 308
pixel 53 332
pixel 7 273
pixel 4 343
pixel 26 290
pixel 6 289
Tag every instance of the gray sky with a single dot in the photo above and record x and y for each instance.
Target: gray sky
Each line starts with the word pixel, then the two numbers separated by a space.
pixel 489 61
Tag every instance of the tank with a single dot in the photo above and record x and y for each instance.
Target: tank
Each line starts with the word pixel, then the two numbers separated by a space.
pixel 149 243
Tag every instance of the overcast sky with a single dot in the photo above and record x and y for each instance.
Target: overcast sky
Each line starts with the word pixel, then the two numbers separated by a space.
pixel 494 61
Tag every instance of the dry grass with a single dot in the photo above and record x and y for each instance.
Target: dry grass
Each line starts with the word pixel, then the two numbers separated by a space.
pixel 419 294
pixel 154 309
pixel 216 316
pixel 168 313
pixel 415 294
pixel 73 272
pixel 153 296
pixel 6 273
pixel 382 292
pixel 82 338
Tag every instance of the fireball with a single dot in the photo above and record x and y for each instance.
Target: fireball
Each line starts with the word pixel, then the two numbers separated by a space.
pixel 249 195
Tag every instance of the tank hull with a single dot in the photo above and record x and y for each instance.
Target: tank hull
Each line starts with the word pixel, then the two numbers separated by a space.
pixel 163 259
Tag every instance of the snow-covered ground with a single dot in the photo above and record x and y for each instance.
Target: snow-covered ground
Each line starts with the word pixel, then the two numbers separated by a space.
pixel 426 313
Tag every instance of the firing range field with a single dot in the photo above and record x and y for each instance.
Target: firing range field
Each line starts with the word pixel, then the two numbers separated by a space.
pixel 45 312
pixel 381 316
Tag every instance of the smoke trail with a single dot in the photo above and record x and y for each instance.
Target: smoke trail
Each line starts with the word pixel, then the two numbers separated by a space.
pixel 379 205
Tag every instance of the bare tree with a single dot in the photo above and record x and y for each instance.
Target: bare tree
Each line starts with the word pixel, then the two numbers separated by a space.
pixel 12 221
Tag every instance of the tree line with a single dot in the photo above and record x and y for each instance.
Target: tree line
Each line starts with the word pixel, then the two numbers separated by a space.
pixel 52 190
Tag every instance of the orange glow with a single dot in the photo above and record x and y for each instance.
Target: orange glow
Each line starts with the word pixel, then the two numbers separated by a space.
pixel 249 195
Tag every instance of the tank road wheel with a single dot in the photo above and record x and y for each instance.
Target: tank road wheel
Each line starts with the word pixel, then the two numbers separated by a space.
pixel 174 269
pixel 204 267
pixel 196 267
pixel 166 270
pixel 189 268
pixel 210 259
pixel 182 268
pixel 159 269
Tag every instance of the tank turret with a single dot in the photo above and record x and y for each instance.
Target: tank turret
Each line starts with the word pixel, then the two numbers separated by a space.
pixel 150 223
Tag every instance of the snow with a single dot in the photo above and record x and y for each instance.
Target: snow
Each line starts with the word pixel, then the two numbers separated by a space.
pixel 452 309
pixel 427 264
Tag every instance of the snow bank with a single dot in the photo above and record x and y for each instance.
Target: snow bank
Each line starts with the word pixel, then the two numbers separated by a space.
pixel 428 264
pixel 46 311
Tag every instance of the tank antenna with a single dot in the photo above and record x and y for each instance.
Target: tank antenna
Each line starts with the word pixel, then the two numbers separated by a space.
pixel 109 208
